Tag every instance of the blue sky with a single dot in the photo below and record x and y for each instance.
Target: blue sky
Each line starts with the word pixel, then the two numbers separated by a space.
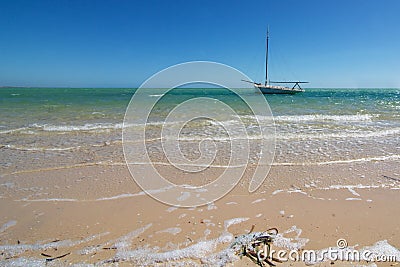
pixel 341 43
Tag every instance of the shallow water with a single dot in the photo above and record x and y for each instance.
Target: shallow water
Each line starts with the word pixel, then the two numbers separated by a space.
pixel 50 127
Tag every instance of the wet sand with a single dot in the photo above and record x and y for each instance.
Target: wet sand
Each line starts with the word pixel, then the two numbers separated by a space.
pixel 98 214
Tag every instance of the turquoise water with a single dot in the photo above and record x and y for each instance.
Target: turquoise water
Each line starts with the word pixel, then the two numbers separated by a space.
pixel 24 107
pixel 50 126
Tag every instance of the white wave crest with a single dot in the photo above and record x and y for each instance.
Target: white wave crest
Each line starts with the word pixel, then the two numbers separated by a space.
pixel 322 117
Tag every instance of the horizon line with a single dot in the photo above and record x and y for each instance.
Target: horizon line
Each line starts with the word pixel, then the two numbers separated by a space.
pixel 136 87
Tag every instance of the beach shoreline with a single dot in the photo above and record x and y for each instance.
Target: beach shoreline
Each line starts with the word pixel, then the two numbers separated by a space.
pixel 67 195
pixel 96 207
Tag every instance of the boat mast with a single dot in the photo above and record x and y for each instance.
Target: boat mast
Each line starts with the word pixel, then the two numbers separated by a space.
pixel 266 59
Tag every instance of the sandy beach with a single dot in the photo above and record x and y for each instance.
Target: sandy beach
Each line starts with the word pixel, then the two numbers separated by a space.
pixel 97 214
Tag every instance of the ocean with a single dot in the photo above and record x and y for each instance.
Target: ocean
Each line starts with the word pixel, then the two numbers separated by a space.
pixel 58 127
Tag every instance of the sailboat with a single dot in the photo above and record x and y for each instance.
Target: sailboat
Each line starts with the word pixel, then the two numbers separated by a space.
pixel 267 88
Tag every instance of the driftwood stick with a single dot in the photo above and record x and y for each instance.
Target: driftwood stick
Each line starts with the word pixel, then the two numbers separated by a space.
pixel 110 248
pixel 391 178
pixel 58 257
pixel 252 228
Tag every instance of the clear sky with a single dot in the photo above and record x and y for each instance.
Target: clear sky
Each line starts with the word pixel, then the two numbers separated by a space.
pixel 341 43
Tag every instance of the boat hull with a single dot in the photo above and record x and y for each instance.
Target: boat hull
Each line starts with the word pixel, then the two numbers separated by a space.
pixel 268 89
